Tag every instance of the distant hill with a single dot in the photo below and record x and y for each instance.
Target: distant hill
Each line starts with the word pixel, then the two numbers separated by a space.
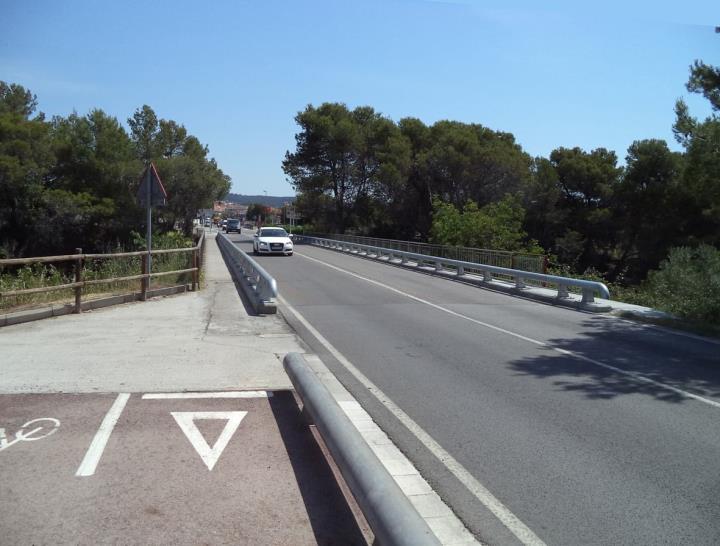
pixel 269 200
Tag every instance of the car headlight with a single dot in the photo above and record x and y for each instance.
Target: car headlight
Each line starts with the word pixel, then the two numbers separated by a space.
pixel 263 244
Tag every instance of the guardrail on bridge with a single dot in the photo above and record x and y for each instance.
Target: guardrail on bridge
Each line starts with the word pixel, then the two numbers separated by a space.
pixel 463 269
pixel 500 258
pixel 258 285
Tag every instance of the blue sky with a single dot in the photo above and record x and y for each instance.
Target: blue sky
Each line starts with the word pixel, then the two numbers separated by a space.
pixel 235 73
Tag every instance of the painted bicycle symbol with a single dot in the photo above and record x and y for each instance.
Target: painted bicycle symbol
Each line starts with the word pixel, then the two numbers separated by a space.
pixel 37 429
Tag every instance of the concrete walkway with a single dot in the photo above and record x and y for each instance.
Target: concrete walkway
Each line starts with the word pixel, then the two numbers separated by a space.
pixel 201 340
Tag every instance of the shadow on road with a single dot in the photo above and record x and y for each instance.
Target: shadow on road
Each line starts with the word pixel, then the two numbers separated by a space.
pixel 332 520
pixel 681 362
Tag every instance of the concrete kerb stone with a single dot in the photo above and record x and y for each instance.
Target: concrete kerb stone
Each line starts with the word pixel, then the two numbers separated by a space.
pixel 58 310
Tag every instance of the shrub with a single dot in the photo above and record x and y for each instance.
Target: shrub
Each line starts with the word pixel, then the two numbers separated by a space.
pixel 688 284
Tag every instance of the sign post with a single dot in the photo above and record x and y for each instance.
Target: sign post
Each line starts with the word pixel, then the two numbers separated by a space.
pixel 150 193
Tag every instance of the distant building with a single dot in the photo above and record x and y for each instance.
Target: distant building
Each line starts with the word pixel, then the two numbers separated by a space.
pixel 236 210
pixel 204 214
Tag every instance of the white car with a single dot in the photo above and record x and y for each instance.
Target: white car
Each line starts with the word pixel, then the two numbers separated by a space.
pixel 269 240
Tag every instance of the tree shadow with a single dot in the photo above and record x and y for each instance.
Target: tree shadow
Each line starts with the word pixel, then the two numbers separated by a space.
pixel 331 518
pixel 662 357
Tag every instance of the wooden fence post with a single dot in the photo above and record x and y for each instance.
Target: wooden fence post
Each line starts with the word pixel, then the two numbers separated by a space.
pixel 144 280
pixel 78 278
pixel 195 264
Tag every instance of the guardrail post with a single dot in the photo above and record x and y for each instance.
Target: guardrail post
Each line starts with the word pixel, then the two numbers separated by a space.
pixel 519 283
pixel 144 280
pixel 588 295
pixel 460 270
pixel 487 276
pixel 562 292
pixel 438 266
pixel 78 278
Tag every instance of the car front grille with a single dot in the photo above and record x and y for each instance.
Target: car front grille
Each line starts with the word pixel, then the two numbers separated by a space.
pixel 276 246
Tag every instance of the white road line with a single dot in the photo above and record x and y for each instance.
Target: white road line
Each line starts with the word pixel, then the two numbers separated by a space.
pixel 200 395
pixel 638 377
pixel 97 446
pixel 510 520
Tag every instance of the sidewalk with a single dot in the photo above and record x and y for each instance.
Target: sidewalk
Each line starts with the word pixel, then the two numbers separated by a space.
pixel 202 340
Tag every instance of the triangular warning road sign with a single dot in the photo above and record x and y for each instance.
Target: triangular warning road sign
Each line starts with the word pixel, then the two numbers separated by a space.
pixel 156 192
pixel 209 455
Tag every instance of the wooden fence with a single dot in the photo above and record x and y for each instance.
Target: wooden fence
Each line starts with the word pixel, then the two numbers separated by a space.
pixel 79 261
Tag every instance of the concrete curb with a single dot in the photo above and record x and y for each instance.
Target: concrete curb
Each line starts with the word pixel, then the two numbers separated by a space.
pixel 393 518
pixel 58 310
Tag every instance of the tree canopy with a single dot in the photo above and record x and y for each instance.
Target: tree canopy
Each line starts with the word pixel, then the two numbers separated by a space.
pixel 71 181
pixel 465 184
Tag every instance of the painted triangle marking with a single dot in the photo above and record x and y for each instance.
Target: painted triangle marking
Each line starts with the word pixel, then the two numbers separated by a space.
pixel 209 455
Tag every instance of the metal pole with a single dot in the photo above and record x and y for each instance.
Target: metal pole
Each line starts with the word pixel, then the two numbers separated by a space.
pixel 148 233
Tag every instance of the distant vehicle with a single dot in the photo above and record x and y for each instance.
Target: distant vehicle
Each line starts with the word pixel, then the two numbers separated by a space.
pixel 272 241
pixel 207 222
pixel 232 225
pixel 223 223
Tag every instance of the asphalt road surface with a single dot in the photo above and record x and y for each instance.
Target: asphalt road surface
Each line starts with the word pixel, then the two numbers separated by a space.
pixel 535 423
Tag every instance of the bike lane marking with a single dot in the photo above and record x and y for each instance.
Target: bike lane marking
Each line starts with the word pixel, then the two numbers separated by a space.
pixel 22 436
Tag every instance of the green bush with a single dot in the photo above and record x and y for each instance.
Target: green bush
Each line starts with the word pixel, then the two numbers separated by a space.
pixel 688 284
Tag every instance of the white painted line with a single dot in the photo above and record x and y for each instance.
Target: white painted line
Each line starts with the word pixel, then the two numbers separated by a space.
pixel 209 455
pixel 510 520
pixel 200 395
pixel 97 446
pixel 638 377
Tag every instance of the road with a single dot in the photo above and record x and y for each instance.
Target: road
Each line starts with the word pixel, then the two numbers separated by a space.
pixel 535 423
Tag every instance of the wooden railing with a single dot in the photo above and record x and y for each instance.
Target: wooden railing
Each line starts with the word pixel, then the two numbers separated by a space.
pixel 79 258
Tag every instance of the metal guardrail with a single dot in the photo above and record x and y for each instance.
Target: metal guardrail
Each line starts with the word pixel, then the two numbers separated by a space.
pixel 460 268
pixel 500 258
pixel 257 283
pixel 79 261
pixel 392 517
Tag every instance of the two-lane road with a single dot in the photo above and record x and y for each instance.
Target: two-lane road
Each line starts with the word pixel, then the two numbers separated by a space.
pixel 535 423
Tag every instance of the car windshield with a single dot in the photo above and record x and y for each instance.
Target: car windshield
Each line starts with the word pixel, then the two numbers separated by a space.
pixel 273 233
